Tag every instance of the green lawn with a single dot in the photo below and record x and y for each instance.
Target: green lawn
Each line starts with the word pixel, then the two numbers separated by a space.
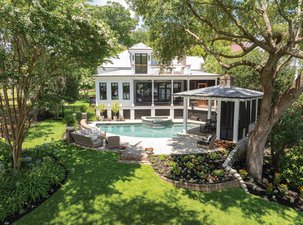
pixel 101 191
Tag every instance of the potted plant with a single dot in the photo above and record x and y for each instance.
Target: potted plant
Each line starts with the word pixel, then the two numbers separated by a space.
pixel 83 109
pixel 115 109
pixel 101 110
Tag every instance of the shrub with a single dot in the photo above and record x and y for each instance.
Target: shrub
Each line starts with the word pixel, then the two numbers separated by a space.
pixel 283 188
pixel 83 108
pixel 218 173
pixel 292 167
pixel 102 109
pixel 270 189
pixel 115 107
pixel 243 173
pixel 38 173
pixel 70 121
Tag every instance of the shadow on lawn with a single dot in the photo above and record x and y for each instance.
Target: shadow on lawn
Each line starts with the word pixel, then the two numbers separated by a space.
pixel 40 131
pixel 91 196
pixel 253 207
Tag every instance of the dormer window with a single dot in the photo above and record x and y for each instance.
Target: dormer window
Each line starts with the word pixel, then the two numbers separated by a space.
pixel 141 63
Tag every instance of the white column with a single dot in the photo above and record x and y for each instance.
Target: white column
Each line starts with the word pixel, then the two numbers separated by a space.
pixel 218 119
pixel 185 111
pixel 188 82
pixel 97 92
pixel 132 114
pixel 209 109
pixel 153 112
pixel 172 93
pixel 153 100
pixel 172 113
pixel 236 121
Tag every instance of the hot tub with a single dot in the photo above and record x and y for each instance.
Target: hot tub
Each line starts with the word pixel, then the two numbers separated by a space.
pixel 156 121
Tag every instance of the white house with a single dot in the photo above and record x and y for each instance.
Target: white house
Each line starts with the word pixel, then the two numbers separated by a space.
pixel 144 89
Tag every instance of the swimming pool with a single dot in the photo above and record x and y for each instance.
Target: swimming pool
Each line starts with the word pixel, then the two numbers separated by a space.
pixel 136 130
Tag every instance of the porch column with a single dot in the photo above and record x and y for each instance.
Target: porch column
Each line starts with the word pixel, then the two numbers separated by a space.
pixel 215 102
pixel 153 87
pixel 236 121
pixel 188 84
pixel 185 115
pixel 172 93
pixel 218 129
pixel 97 92
pixel 209 109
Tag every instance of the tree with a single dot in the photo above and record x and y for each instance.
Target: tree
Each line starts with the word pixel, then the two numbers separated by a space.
pixel 271 27
pixel 119 19
pixel 41 41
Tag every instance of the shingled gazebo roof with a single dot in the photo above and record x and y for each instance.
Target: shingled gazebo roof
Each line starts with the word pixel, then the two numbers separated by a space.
pixel 221 92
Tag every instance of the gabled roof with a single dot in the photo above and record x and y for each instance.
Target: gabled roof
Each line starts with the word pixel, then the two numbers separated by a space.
pixel 140 46
pixel 121 60
pixel 222 92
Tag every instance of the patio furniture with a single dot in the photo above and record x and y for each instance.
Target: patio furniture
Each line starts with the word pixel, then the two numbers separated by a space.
pixel 209 126
pixel 113 142
pixel 207 142
pixel 86 140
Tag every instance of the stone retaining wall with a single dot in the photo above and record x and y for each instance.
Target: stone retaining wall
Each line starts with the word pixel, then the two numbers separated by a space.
pixel 204 187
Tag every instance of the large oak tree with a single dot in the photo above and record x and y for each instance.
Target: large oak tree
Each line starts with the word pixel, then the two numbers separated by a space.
pixel 272 27
pixel 42 41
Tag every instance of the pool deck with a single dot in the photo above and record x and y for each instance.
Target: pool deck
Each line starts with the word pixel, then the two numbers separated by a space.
pixel 180 144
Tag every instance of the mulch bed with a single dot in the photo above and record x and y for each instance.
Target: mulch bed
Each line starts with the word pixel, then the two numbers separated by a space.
pixel 264 189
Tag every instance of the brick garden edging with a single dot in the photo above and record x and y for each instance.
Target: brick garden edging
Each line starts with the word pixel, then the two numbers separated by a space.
pixel 204 187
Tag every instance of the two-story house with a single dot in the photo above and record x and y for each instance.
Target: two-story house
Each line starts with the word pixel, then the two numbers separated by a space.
pixel 144 89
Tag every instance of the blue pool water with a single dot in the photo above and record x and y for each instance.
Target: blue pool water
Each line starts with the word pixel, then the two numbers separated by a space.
pixel 136 130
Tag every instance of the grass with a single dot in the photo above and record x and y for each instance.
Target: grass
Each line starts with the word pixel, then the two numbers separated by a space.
pixel 75 107
pixel 101 191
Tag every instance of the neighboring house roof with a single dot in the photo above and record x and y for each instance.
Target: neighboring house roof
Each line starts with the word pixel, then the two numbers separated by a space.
pixel 221 92
pixel 140 46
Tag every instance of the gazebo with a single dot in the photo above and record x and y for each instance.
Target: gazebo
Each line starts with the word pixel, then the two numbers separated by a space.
pixel 237 108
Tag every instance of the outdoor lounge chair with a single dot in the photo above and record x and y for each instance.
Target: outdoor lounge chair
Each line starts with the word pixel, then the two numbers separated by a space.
pixel 207 142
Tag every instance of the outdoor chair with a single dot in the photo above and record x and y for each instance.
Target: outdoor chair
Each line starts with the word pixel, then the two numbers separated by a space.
pixel 209 126
pixel 112 142
pixel 207 142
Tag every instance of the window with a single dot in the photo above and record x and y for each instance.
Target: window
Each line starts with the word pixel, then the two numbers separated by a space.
pixel 126 93
pixel 141 63
pixel 102 90
pixel 115 91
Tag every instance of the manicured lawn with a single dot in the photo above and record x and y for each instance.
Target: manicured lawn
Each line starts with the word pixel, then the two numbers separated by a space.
pixel 101 191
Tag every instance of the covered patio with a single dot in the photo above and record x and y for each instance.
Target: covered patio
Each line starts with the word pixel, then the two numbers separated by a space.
pixel 236 112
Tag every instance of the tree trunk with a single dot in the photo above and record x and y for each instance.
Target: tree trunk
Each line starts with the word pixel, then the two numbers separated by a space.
pixel 255 150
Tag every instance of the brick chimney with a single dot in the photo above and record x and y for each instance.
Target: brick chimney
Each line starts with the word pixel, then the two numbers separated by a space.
pixel 227 80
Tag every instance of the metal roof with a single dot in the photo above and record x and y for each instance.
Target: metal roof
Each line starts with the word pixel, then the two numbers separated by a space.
pixel 140 46
pixel 221 92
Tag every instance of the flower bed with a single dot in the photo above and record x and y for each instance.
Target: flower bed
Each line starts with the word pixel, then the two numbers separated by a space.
pixel 203 168
pixel 273 187
pixel 39 176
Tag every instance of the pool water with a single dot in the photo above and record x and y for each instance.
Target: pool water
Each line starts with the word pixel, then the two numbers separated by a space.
pixel 136 130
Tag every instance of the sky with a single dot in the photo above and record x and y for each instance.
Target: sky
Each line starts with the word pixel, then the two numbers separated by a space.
pixel 103 2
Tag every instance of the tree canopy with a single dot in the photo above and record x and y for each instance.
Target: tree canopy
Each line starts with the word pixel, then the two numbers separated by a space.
pixel 42 41
pixel 119 19
pixel 271 28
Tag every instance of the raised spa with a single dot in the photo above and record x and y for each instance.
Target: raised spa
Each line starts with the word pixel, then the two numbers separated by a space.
pixel 156 121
